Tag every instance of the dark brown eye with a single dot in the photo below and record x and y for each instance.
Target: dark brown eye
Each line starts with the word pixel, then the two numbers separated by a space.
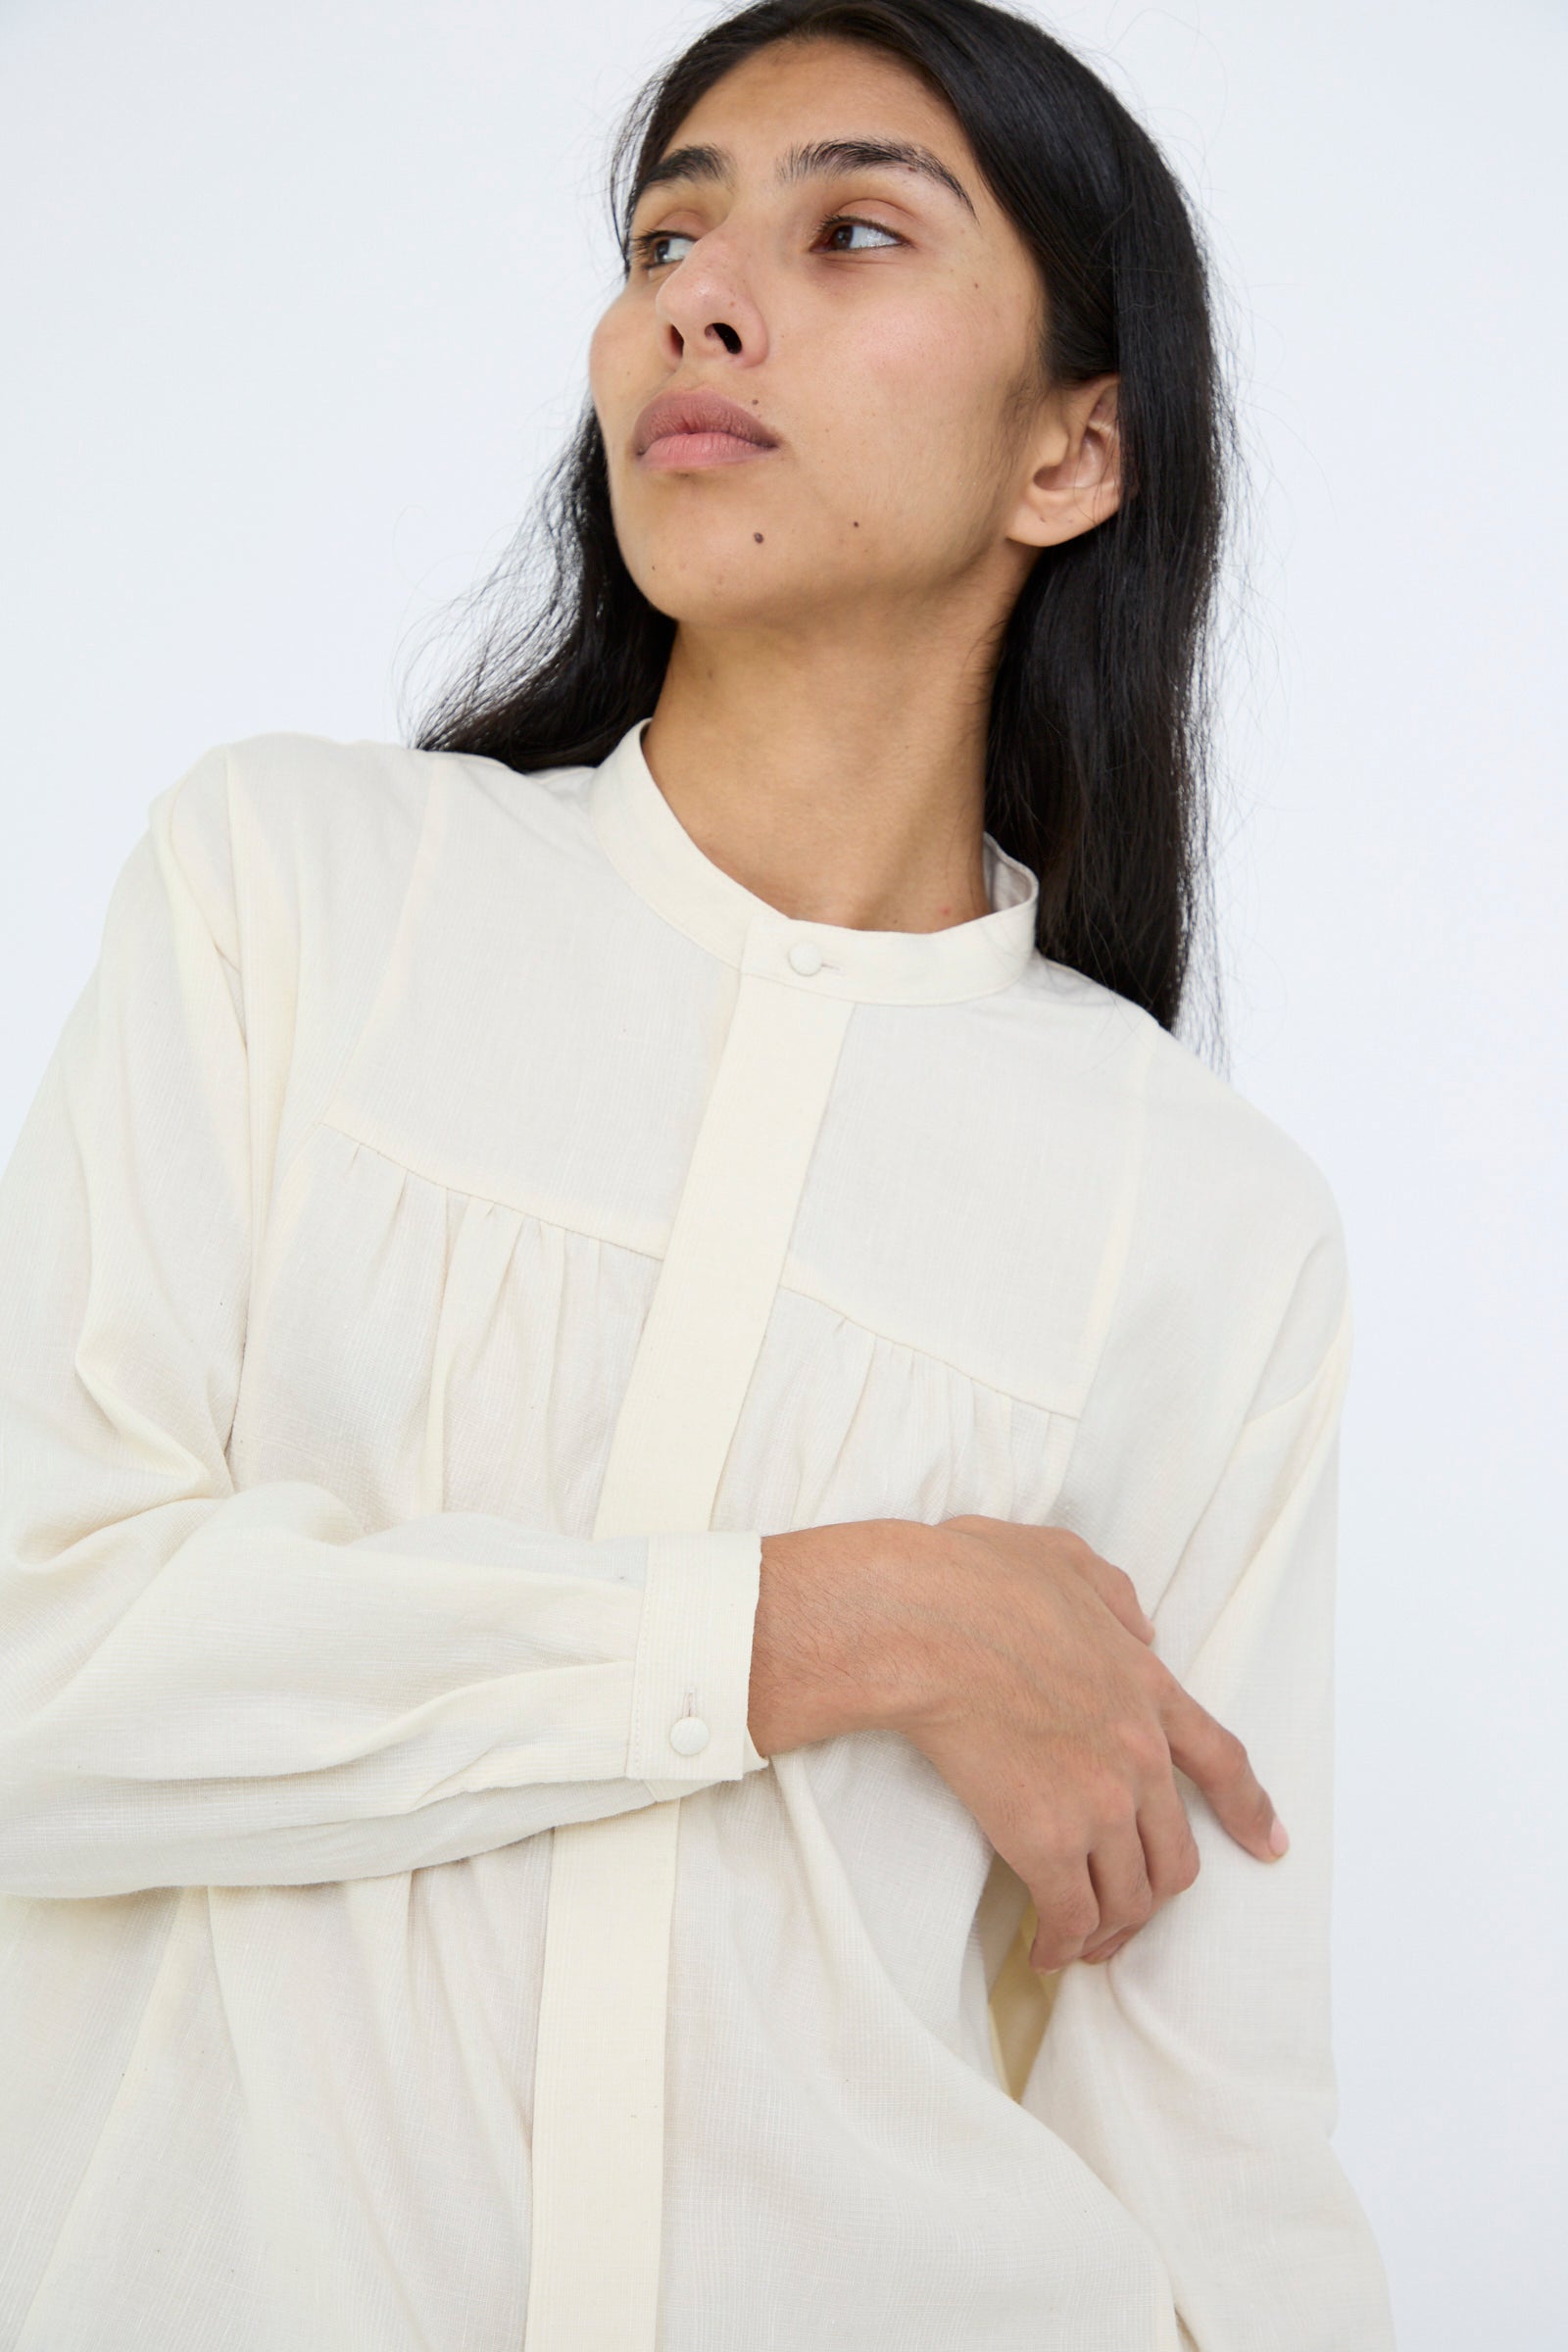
pixel 849 220
pixel 643 246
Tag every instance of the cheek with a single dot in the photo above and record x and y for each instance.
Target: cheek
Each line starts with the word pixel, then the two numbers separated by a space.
pixel 923 403
pixel 609 363
pixel 600 353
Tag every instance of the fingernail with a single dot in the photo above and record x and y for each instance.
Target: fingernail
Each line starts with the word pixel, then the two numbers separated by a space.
pixel 1278 1837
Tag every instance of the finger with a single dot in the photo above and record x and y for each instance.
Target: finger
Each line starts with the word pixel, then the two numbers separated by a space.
pixel 1170 1851
pixel 1171 1862
pixel 1067 1910
pixel 1120 1876
pixel 1216 1760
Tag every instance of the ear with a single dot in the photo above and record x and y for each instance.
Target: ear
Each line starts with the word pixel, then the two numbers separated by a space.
pixel 1075 478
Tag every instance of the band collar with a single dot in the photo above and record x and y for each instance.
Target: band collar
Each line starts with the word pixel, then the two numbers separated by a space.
pixel 651 849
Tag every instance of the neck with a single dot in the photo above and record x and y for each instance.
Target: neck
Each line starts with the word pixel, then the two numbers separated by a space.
pixel 844 786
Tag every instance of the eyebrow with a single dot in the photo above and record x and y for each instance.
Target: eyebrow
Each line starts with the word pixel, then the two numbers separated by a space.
pixel 820 158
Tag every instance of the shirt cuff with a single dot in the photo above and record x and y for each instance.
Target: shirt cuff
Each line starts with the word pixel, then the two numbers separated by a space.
pixel 691 1677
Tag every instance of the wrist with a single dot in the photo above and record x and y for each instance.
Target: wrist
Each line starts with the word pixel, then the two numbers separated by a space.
pixel 902 1623
pixel 831 1643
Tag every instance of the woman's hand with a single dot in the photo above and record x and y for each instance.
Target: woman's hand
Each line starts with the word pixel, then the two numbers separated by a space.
pixel 1048 1714
pixel 1019 1662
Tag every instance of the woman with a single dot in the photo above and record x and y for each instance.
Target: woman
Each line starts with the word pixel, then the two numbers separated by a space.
pixel 613 1320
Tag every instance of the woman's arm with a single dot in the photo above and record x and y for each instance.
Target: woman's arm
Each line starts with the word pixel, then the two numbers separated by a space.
pixel 210 1686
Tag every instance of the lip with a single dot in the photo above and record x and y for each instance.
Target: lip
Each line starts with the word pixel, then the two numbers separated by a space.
pixel 698 428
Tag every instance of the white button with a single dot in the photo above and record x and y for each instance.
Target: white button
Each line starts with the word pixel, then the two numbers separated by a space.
pixel 805 957
pixel 689 1737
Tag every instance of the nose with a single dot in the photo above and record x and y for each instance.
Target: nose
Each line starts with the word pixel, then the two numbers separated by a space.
pixel 702 305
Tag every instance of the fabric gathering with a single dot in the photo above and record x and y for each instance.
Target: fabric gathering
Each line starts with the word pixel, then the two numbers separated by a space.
pixel 458 1223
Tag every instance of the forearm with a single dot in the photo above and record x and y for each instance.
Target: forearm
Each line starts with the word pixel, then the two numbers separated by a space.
pixel 273 1695
pixel 833 1646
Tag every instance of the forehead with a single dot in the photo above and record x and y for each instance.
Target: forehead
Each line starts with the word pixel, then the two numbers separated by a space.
pixel 792 112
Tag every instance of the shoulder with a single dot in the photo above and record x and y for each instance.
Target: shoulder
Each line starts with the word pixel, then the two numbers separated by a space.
pixel 1202 1138
pixel 1208 1139
pixel 288 787
pixel 276 794
pixel 1235 1241
pixel 308 817
pixel 1273 1231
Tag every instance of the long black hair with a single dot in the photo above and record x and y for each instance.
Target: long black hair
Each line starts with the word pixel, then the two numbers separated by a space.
pixel 1098 753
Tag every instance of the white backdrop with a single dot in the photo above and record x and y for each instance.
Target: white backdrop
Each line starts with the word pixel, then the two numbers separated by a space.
pixel 296 301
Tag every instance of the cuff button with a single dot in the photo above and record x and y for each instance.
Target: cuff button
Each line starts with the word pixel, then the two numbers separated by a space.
pixel 690 1736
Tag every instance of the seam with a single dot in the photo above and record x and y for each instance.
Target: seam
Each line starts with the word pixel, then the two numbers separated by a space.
pixel 1339 1345
pixel 1103 1311
pixel 342 1126
pixel 400 933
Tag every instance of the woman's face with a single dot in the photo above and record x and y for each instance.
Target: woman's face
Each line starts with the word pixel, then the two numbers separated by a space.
pixel 881 326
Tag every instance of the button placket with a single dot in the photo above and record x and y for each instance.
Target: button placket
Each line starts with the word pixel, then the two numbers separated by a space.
pixel 599 2085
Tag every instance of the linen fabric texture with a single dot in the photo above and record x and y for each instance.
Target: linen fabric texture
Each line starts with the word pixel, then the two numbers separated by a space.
pixel 343 1217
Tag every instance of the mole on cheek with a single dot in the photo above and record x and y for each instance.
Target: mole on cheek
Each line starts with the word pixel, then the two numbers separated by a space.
pixel 758 536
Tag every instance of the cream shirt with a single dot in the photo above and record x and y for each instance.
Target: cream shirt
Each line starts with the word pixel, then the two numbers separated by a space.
pixel 456 1222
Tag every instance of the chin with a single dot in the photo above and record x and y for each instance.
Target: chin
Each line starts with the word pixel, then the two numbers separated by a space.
pixel 723 583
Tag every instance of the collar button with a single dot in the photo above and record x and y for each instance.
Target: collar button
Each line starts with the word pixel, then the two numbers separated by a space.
pixel 805 957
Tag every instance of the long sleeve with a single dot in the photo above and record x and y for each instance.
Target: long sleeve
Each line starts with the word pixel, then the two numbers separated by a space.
pixel 201 1685
pixel 1194 2071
